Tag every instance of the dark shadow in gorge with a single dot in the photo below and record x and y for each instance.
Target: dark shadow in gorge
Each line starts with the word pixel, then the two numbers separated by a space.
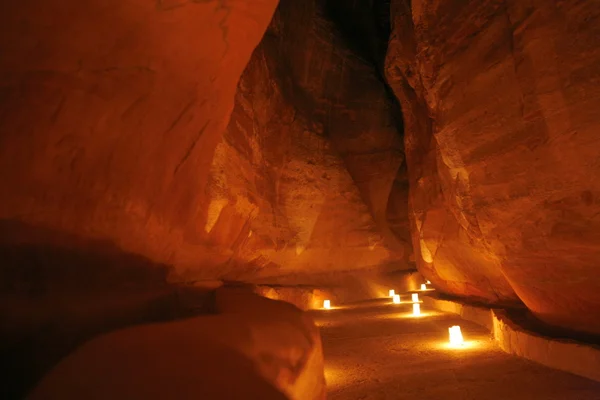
pixel 365 27
pixel 58 291
pixel 334 84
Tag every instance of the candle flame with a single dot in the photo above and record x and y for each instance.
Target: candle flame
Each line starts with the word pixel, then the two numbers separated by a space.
pixel 456 337
pixel 416 309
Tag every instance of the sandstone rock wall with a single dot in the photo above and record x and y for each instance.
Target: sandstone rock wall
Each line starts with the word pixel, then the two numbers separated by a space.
pixel 111 112
pixel 312 138
pixel 500 100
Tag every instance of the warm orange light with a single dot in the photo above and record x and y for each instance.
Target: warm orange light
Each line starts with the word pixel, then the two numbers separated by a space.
pixel 392 292
pixel 456 337
pixel 327 304
pixel 396 299
pixel 416 309
pixel 423 286
pixel 415 297
pixel 429 283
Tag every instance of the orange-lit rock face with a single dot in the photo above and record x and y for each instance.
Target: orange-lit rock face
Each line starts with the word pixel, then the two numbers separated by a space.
pixel 500 102
pixel 311 140
pixel 111 112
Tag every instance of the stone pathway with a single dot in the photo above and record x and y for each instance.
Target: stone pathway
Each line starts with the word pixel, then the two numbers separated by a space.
pixel 375 350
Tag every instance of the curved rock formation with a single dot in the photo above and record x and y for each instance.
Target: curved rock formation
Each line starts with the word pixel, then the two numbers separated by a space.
pixel 111 122
pixel 309 110
pixel 110 115
pixel 250 346
pixel 111 112
pixel 499 99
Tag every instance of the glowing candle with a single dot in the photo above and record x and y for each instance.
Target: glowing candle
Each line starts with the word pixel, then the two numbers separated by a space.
pixel 423 286
pixel 416 309
pixel 456 337
pixel 396 299
pixel 392 292
pixel 327 304
pixel 415 297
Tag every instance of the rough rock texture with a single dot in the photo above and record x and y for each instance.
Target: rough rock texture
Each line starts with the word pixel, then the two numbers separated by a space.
pixel 312 139
pixel 282 199
pixel 500 100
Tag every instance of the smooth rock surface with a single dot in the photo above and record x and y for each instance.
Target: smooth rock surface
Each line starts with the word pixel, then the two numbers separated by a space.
pixel 111 112
pixel 253 348
pixel 499 100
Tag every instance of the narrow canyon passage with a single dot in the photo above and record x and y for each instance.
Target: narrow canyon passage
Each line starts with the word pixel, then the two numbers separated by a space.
pixel 188 180
pixel 375 350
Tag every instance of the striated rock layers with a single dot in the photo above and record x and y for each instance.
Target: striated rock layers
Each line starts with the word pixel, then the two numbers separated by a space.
pixel 311 158
pixel 500 103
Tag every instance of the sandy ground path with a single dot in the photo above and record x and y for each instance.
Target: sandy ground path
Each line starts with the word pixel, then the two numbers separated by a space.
pixel 375 350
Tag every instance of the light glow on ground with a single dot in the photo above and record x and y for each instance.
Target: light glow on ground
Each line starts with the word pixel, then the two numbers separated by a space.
pixel 412 316
pixel 466 345
pixel 334 377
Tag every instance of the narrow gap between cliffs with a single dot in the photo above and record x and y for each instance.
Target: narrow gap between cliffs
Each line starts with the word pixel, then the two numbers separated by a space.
pixel 365 28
